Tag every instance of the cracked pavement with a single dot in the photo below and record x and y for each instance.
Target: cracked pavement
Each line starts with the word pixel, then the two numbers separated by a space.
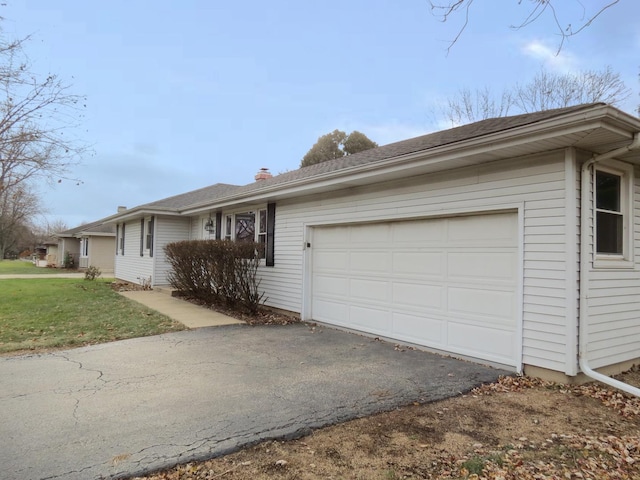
pixel 125 408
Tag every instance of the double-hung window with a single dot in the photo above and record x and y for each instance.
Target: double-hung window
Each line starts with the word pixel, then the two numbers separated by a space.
pixel 613 189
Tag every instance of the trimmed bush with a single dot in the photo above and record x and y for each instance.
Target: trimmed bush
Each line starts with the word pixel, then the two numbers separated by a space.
pixel 217 272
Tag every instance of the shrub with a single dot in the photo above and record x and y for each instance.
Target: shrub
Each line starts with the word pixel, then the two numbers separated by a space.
pixel 217 272
pixel 68 261
pixel 92 273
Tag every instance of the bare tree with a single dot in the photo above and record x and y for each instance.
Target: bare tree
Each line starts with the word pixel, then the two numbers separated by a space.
pixel 547 91
pixel 56 226
pixel 544 92
pixel 37 114
pixel 471 106
pixel 446 9
pixel 18 206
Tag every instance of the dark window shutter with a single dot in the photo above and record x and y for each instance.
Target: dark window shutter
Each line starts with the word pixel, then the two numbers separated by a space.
pixel 152 228
pixel 218 225
pixel 117 237
pixel 142 237
pixel 122 240
pixel 271 225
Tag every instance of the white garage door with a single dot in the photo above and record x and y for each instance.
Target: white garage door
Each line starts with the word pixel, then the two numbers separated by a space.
pixel 447 283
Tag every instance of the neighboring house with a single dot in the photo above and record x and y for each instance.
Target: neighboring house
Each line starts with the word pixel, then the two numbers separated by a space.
pixel 51 253
pixel 500 241
pixel 92 244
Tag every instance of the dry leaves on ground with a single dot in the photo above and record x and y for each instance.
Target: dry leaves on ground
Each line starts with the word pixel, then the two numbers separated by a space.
pixel 517 428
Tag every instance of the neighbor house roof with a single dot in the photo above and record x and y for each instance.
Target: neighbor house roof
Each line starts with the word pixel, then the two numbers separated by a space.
pixel 98 228
pixel 486 130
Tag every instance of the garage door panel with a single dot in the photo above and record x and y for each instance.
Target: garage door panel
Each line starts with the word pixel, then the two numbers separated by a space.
pixel 374 320
pixel 482 265
pixel 331 260
pixel 427 264
pixel 337 236
pixel 419 232
pixel 369 262
pixel 496 230
pixel 331 311
pixel 491 344
pixel 446 283
pixel 369 290
pixel 407 327
pixel 378 233
pixel 328 285
pixel 496 306
pixel 418 295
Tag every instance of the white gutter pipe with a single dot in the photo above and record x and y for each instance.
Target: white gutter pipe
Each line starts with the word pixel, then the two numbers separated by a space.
pixel 585 178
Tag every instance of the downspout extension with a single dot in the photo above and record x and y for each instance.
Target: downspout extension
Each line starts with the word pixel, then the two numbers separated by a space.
pixel 585 179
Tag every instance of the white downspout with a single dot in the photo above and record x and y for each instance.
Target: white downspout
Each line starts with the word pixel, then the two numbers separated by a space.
pixel 585 208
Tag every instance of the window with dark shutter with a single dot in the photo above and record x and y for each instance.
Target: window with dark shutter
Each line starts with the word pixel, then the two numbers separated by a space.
pixel 271 224
pixel 150 232
pixel 218 225
pixel 142 237
pixel 122 240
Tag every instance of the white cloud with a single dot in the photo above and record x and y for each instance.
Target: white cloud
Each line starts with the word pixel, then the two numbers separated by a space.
pixel 549 57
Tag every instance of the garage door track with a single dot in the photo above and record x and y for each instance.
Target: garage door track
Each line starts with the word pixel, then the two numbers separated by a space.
pixel 128 407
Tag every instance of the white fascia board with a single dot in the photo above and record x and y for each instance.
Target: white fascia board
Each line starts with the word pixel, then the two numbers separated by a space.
pixel 94 234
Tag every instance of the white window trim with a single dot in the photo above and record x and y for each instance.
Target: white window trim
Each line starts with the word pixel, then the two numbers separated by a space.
pixel 626 260
pixel 256 212
pixel 84 247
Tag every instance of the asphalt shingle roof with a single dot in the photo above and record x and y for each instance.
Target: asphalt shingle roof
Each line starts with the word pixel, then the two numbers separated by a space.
pixel 182 200
pixel 93 227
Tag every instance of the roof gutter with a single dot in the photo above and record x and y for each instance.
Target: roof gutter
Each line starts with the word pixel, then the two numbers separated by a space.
pixel 585 210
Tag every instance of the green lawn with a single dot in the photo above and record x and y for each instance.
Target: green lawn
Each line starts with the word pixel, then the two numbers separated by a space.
pixel 55 312
pixel 23 267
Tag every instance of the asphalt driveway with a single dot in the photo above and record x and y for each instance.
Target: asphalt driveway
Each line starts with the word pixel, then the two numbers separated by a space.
pixel 123 408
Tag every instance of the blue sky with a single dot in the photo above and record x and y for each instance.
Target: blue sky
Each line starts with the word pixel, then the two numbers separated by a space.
pixel 181 95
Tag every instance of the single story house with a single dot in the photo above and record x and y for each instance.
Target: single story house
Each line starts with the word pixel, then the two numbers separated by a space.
pixel 45 253
pixel 91 244
pixel 512 241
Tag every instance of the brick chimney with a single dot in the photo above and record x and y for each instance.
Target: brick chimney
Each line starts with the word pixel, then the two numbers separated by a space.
pixel 263 174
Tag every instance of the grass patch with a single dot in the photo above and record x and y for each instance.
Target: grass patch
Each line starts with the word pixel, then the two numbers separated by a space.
pixel 54 313
pixel 20 267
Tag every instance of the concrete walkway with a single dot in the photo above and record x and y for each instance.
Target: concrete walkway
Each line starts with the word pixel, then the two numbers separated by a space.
pixel 193 316
pixel 41 275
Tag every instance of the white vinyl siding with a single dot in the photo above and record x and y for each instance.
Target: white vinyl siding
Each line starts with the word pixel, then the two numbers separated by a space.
pixel 614 303
pixel 131 267
pixel 134 268
pixel 168 230
pixel 537 184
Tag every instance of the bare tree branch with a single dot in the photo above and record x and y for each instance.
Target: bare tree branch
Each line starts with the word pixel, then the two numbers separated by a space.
pixel 444 10
pixel 544 92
